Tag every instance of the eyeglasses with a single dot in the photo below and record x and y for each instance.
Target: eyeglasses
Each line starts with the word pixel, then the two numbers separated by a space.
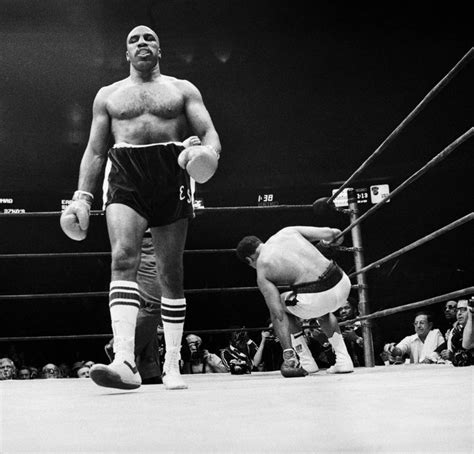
pixel 450 308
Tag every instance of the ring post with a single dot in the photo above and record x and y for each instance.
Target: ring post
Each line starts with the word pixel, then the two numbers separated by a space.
pixel 361 280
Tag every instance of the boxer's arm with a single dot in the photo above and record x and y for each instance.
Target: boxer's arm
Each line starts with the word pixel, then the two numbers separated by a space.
pixel 199 119
pixel 278 315
pixel 291 366
pixel 313 234
pixel 96 149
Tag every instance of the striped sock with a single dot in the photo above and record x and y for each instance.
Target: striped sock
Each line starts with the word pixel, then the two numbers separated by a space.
pixel 124 302
pixel 173 313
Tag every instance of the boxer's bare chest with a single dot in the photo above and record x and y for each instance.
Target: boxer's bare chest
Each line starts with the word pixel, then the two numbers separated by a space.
pixel 157 99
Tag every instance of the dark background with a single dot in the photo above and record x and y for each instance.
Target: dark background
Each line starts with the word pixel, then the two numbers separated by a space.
pixel 300 99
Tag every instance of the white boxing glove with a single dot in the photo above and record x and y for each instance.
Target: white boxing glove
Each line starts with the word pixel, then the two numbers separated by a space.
pixel 199 161
pixel 75 218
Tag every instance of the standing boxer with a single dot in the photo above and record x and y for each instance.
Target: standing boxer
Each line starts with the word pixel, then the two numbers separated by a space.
pixel 148 114
pixel 319 288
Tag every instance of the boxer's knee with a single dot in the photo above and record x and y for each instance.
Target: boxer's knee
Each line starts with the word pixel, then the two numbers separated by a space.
pixel 125 262
pixel 171 284
pixel 170 277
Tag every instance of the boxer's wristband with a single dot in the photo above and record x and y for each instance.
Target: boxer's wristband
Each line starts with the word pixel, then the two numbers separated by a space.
pixel 83 196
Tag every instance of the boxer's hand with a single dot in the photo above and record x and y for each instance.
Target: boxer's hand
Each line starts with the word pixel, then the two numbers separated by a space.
pixel 200 161
pixel 75 218
pixel 192 141
pixel 329 243
pixel 291 365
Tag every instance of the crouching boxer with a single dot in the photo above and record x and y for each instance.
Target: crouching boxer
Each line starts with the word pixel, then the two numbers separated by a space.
pixel 318 288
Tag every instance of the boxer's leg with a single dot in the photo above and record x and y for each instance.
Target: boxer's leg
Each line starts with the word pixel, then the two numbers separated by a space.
pixel 330 327
pixel 126 228
pixel 169 241
pixel 298 342
pixel 330 301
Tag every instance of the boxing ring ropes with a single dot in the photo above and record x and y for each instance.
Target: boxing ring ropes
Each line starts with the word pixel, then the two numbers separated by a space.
pixel 319 205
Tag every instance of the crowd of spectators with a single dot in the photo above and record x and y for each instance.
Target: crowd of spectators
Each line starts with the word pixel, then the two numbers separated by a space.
pixel 429 346
pixel 243 355
pixel 10 371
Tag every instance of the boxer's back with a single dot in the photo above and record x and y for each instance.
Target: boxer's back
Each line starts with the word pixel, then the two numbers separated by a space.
pixel 290 258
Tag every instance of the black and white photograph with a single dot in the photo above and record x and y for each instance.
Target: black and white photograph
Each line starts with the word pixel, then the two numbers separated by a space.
pixel 233 226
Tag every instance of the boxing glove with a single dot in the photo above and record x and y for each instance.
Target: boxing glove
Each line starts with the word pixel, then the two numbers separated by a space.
pixel 75 218
pixel 291 365
pixel 199 161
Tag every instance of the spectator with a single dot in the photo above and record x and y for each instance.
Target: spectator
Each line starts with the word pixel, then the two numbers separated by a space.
pixel 89 364
pixel 83 372
pixel 75 367
pixel 239 354
pixel 198 359
pixel 445 350
pixel 463 346
pixel 269 353
pixel 7 369
pixel 34 373
pixel 468 334
pixel 352 333
pixel 24 373
pixel 65 370
pixel 421 346
pixel 50 370
pixel 318 343
pixel 389 359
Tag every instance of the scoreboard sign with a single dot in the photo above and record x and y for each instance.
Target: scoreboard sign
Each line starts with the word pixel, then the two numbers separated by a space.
pixel 375 194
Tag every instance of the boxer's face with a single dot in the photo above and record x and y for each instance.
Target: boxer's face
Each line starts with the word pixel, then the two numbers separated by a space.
pixel 143 48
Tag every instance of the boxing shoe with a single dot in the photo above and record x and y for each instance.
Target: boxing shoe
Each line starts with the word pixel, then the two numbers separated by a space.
pixel 343 360
pixel 307 361
pixel 342 366
pixel 171 376
pixel 119 374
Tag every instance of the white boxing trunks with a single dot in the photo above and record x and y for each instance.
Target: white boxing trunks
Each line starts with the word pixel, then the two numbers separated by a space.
pixel 315 299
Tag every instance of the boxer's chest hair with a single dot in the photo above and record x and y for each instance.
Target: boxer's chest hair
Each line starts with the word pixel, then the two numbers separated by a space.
pixel 164 101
